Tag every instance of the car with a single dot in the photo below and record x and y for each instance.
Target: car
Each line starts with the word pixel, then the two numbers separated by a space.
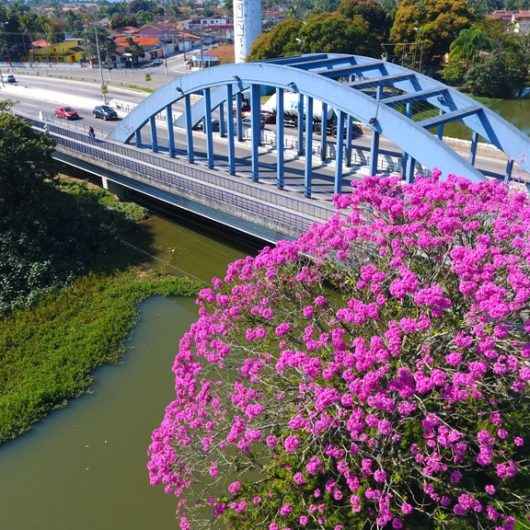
pixel 8 78
pixel 66 113
pixel 105 112
pixel 200 126
pixel 156 62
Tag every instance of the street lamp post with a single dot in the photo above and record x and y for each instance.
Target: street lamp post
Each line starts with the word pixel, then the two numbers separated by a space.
pixel 103 93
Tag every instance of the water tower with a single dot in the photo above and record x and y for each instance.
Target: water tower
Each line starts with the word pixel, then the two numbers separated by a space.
pixel 247 26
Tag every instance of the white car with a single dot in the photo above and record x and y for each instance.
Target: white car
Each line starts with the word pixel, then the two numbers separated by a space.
pixel 8 78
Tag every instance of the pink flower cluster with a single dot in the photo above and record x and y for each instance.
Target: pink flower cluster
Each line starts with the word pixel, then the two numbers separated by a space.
pixel 385 352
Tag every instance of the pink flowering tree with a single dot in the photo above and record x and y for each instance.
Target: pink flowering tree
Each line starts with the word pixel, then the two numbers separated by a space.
pixel 373 373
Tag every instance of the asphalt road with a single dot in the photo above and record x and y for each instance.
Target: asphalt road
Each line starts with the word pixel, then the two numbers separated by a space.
pixel 294 167
pixel 294 172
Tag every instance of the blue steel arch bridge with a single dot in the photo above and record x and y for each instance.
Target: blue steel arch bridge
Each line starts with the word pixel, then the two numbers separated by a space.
pixel 229 177
pixel 381 95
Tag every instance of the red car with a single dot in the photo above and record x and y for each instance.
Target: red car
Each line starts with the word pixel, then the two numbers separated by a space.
pixel 66 113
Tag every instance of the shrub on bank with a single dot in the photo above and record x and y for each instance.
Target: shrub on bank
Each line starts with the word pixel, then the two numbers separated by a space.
pixel 373 373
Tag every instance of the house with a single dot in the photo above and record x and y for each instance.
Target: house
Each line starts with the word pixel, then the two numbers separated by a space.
pixel 519 21
pixel 186 41
pixel 69 51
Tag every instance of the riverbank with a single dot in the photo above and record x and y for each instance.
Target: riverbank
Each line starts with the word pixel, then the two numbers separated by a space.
pixel 48 351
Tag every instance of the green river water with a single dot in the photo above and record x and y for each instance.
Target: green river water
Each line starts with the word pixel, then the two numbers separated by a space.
pixel 516 111
pixel 83 467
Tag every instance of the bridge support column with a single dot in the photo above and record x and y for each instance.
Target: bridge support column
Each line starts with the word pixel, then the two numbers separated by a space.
pixel 114 188
pixel 189 128
pixel 138 137
pixel 411 166
pixel 255 125
pixel 300 113
pixel 374 153
pixel 170 131
pixel 279 138
pixel 308 174
pixel 349 140
pixel 324 133
pixel 154 137
pixel 509 170
pixel 404 162
pixel 339 146
pixel 440 131
pixel 230 123
pixel 222 123
pixel 208 127
pixel 239 116
pixel 474 145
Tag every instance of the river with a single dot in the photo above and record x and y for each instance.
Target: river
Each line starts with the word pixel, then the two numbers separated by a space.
pixel 83 467
pixel 516 111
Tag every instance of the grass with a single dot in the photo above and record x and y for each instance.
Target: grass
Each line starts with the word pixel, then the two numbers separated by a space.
pixel 48 352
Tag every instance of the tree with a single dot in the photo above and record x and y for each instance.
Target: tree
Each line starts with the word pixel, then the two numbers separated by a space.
pixel 14 40
pixel 465 51
pixel 502 74
pixel 135 50
pixel 432 24
pixel 331 32
pixel 326 32
pixel 364 376
pixel 107 46
pixel 325 6
pixel 283 39
pixel 376 17
pixel 25 162
pixel 488 60
pixel 120 20
pixel 47 237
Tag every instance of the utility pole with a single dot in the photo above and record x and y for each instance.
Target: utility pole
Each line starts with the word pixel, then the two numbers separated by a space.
pixel 103 93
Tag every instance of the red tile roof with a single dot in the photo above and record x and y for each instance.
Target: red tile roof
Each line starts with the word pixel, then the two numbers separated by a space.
pixel 40 43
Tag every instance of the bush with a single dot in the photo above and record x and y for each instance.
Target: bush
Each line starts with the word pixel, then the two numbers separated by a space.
pixel 56 234
pixel 372 373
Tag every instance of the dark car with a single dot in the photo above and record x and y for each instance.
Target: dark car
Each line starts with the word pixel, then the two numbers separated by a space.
pixel 66 113
pixel 105 113
pixel 200 126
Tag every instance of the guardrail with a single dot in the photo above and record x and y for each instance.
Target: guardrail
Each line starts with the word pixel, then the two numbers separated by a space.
pixel 294 214
pixel 276 198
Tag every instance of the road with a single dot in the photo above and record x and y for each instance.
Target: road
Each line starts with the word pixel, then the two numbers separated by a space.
pixel 36 94
pixel 27 104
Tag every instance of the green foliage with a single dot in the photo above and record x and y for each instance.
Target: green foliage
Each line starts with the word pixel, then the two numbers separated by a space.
pixel 326 32
pixel 281 40
pixel 372 12
pixel 48 352
pixel 25 161
pixel 500 75
pixel 54 236
pixel 107 46
pixel 47 236
pixel 488 60
pixel 331 32
pixel 432 24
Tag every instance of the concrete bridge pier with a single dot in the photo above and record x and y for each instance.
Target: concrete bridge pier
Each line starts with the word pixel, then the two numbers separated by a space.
pixel 114 188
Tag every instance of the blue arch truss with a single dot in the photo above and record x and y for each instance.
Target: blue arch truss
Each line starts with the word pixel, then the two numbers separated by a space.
pixel 380 94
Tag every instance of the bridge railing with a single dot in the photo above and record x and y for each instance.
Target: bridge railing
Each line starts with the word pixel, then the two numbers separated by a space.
pixel 150 164
pixel 296 222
